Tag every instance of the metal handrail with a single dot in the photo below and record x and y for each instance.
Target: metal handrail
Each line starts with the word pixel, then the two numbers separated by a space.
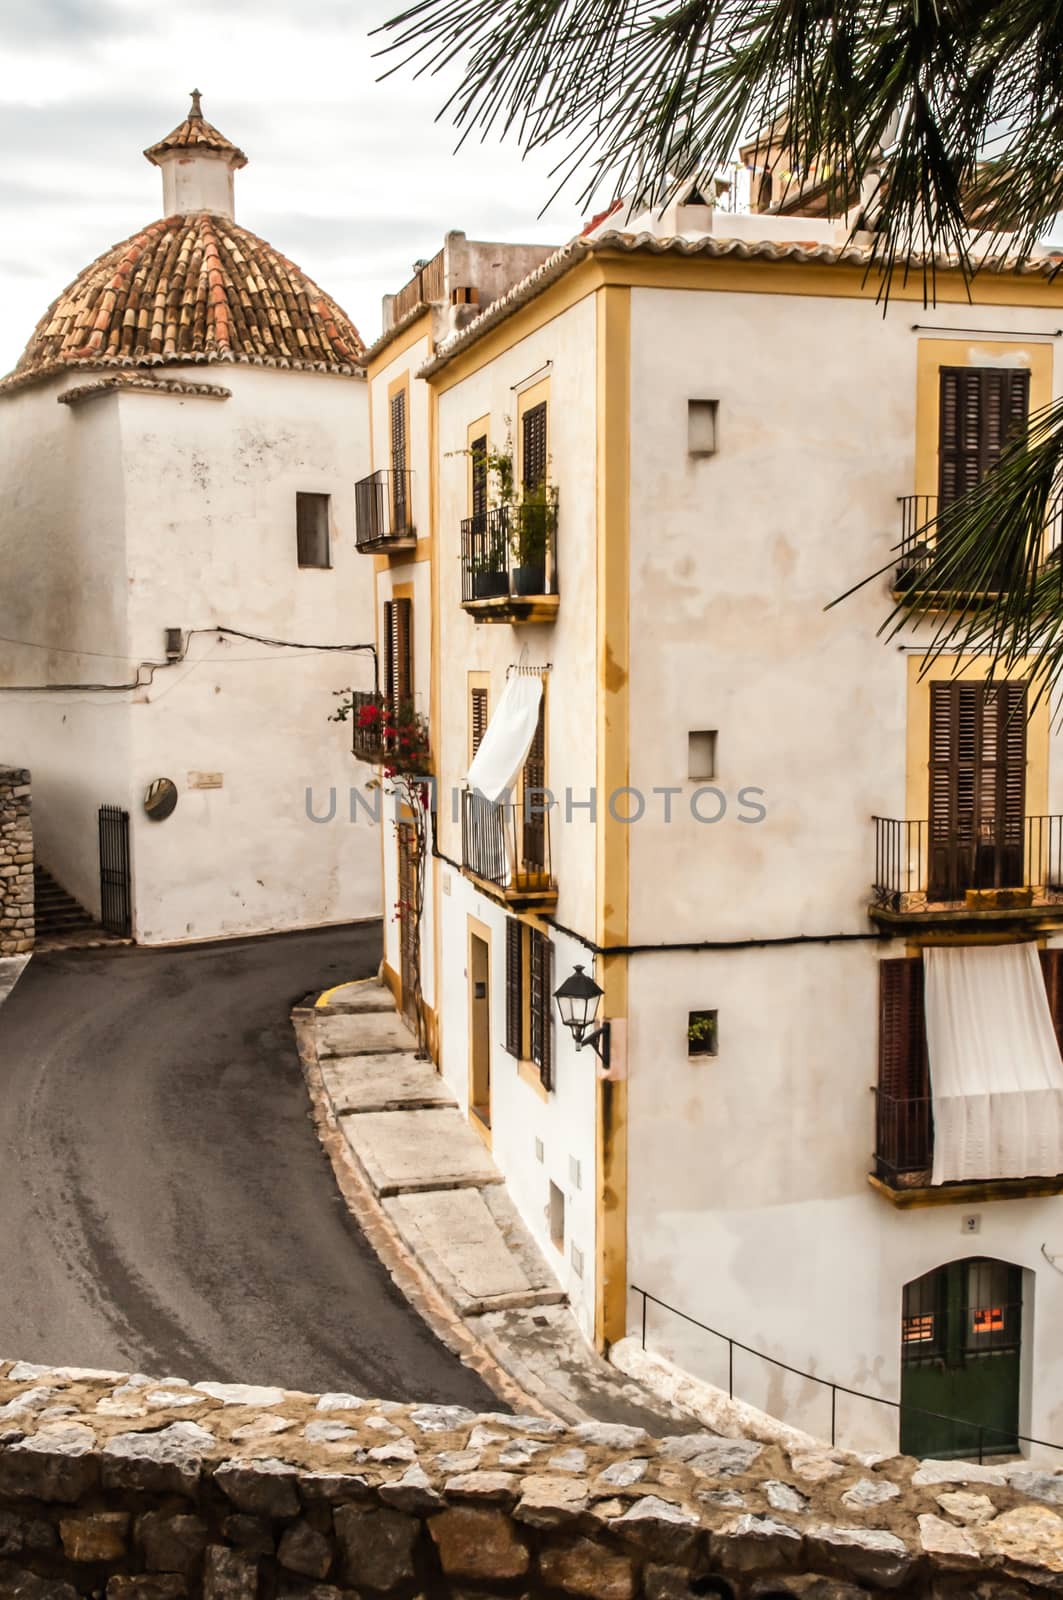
pixel 836 1389
pixel 1024 853
pixel 922 518
pixel 383 508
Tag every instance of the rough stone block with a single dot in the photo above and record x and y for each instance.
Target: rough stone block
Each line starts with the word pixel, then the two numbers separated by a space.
pixel 377 1547
pixel 229 1575
pixel 474 1542
pixel 55 1464
pixel 172 1543
pixel 252 1534
pixel 18 1585
pixel 264 1488
pixel 166 1462
pixel 589 1569
pixel 302 1549
pixel 99 1536
pixel 148 1586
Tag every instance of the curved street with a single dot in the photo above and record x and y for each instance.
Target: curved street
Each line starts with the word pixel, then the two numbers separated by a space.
pixel 165 1203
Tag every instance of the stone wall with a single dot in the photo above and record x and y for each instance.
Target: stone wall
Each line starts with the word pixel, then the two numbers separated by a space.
pixel 16 863
pixel 132 1488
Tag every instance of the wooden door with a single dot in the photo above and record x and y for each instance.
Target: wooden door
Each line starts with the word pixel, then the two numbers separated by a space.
pixel 480 1029
pixel 977 796
pixel 408 889
pixel 961 1346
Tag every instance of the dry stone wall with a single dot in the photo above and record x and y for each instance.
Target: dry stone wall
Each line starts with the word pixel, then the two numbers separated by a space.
pixel 132 1488
pixel 16 863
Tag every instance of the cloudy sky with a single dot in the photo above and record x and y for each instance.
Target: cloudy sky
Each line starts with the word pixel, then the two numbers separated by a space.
pixel 350 177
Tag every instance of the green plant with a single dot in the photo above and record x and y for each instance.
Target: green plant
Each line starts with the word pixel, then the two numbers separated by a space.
pixel 702 1033
pixel 534 521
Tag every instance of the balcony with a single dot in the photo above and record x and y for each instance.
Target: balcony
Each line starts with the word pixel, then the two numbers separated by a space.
pixel 505 849
pixel 383 513
pixel 385 735
pixel 509 562
pixel 922 519
pixel 1009 871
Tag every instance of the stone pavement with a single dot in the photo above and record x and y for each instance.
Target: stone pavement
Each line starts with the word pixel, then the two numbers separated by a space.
pixel 10 972
pixel 426 1175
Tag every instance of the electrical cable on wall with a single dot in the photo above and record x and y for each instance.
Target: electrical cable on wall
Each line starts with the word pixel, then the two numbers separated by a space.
pixel 151 667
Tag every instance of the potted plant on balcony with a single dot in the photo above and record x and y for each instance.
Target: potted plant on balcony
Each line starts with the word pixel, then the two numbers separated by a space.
pixel 489 564
pixel 533 531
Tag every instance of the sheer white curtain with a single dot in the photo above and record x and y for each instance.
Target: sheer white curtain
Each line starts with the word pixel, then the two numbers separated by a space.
pixel 996 1077
pixel 505 745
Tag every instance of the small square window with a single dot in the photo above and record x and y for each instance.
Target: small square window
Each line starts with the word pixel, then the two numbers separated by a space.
pixel 702 1033
pixel 701 755
pixel 703 427
pixel 312 529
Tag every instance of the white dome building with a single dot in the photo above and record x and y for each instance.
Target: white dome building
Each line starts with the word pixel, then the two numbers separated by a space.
pixel 179 446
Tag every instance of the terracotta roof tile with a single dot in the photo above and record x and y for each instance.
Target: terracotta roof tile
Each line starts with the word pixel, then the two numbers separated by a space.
pixel 188 289
pixel 196 133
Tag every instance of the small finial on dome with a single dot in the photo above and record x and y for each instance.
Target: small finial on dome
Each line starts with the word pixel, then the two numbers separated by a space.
pixel 197 109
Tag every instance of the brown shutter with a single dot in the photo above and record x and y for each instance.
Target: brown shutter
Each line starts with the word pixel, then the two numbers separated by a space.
pixel 389 652
pixel 479 477
pixel 514 987
pixel 903 1071
pixel 398 431
pixel 533 782
pixel 398 659
pixel 977 794
pixel 540 986
pixel 1052 967
pixel 533 447
pixel 477 717
pixel 981 411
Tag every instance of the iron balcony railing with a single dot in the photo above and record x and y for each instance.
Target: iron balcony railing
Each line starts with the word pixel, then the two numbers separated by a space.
pixel 510 551
pixel 392 735
pixel 918 865
pixel 383 509
pixel 508 844
pixel 923 518
pixel 904 1139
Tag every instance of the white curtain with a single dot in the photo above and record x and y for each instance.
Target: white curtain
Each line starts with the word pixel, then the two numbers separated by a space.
pixel 996 1077
pixel 505 745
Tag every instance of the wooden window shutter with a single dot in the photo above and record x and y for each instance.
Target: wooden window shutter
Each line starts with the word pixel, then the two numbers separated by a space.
pixel 514 987
pixel 398 431
pixel 533 798
pixel 479 476
pixel 398 663
pixel 1052 967
pixel 540 991
pixel 981 410
pixel 389 652
pixel 903 1067
pixel 477 717
pixel 533 446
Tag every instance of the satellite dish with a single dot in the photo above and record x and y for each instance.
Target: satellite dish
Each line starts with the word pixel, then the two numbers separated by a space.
pixel 160 797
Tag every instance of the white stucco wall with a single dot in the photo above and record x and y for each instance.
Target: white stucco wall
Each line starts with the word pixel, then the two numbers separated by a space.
pixel 564 1123
pixel 749 1206
pixel 63 565
pixel 174 511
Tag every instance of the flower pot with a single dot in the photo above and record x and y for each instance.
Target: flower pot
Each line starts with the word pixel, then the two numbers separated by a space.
pixel 529 580
pixel 490 585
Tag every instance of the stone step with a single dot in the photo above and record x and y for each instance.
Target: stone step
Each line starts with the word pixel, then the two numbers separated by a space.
pixel 356 998
pixel 371 1033
pixel 405 1152
pixel 475 1246
pixel 395 1081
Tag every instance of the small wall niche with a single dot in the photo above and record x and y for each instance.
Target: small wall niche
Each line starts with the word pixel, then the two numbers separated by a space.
pixel 557 1217
pixel 703 424
pixel 703 1033
pixel 701 755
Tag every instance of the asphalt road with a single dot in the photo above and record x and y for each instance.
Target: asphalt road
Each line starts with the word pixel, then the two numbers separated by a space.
pixel 165 1206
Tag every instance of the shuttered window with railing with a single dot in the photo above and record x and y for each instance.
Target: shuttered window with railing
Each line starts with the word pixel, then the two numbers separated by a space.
pixel 398 659
pixel 982 409
pixel 533 446
pixel 977 792
pixel 529 997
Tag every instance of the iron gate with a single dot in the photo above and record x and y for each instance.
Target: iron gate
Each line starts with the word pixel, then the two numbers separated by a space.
pixel 116 903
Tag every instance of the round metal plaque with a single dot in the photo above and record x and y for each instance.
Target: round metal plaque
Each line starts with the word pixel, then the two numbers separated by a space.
pixel 160 797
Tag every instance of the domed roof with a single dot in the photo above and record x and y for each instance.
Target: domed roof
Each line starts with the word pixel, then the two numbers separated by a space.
pixel 191 288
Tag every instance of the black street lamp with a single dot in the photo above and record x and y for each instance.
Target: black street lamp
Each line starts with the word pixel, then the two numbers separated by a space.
pixel 578 999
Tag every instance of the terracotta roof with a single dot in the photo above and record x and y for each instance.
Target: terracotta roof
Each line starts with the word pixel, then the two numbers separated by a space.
pixel 807 253
pixel 191 288
pixel 196 133
pixel 414 314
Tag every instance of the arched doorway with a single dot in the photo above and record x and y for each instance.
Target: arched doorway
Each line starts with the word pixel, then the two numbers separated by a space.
pixel 961 1346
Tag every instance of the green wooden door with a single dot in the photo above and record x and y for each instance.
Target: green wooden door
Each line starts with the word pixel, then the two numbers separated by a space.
pixel 961 1339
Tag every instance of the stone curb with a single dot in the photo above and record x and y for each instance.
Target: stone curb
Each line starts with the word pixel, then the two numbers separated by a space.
pixel 402 1267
